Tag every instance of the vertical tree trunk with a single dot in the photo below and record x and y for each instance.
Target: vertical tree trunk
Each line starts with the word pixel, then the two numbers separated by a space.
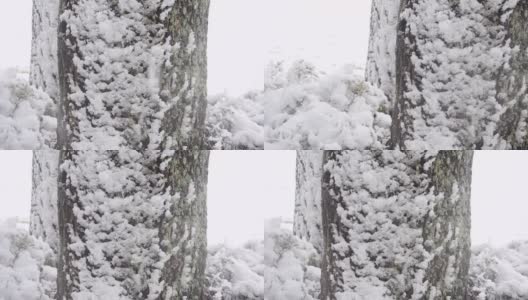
pixel 132 75
pixel 307 221
pixel 449 55
pixel 44 213
pixel 396 225
pixel 44 63
pixel 511 87
pixel 44 75
pixel 132 225
pixel 381 61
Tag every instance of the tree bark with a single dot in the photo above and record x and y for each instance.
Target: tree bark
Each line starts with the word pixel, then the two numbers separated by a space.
pixel 44 57
pixel 44 62
pixel 307 221
pixel 132 75
pixel 381 61
pixel 511 86
pixel 449 56
pixel 133 225
pixel 44 213
pixel 396 225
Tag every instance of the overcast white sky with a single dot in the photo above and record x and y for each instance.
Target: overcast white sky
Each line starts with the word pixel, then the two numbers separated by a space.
pixel 244 35
pixel 328 33
pixel 247 187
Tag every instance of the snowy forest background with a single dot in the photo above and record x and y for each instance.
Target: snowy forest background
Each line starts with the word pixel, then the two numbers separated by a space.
pixel 361 225
pixel 257 56
pixel 253 252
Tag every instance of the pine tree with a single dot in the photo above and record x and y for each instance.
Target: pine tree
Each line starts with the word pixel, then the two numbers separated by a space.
pixel 132 75
pixel 451 57
pixel 44 62
pixel 307 221
pixel 44 213
pixel 512 130
pixel 396 225
pixel 132 225
pixel 381 62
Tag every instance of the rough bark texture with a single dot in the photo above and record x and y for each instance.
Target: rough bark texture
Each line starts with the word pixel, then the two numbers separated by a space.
pixel 396 225
pixel 44 72
pixel 307 221
pixel 133 225
pixel 512 84
pixel 44 75
pixel 132 75
pixel 44 63
pixel 185 232
pixel 185 78
pixel 381 61
pixel 44 216
pixel 449 55
pixel 44 213
pixel 447 229
pixel 404 68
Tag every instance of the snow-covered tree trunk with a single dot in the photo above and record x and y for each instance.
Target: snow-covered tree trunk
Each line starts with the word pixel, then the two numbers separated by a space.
pixel 381 61
pixel 307 221
pixel 132 224
pixel 44 62
pixel 511 88
pixel 45 169
pixel 44 70
pixel 449 54
pixel 44 76
pixel 396 225
pixel 132 74
pixel 44 214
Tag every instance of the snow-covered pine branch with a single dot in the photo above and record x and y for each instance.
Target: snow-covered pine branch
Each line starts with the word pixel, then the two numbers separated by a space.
pixel 292 265
pixel 306 109
pixel 500 273
pixel 26 114
pixel 236 273
pixel 26 271
pixel 235 123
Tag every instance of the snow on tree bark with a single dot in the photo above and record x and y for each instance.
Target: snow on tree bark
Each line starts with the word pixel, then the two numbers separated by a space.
pixel 132 225
pixel 512 131
pixel 44 213
pixel 449 55
pixel 132 74
pixel 44 76
pixel 396 225
pixel 44 61
pixel 44 58
pixel 307 221
pixel 381 62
